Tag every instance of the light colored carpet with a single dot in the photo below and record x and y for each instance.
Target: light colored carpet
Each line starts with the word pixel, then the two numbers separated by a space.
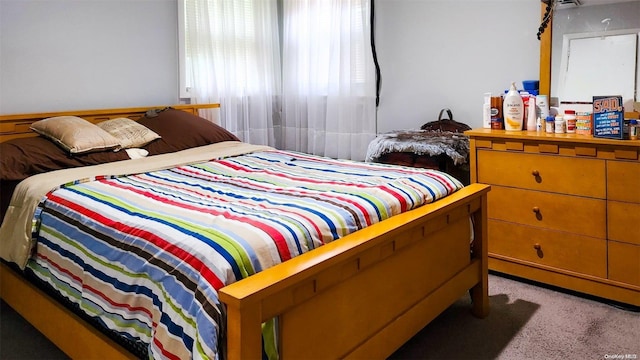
pixel 528 322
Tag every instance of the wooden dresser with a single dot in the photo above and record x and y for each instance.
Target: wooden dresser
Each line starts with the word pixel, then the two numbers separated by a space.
pixel 564 209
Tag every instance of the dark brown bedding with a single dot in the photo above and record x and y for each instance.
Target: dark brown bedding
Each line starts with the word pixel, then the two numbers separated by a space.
pixel 21 158
pixel 180 130
pixel 24 157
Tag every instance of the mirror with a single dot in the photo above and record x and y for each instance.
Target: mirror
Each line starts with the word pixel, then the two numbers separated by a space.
pixel 587 28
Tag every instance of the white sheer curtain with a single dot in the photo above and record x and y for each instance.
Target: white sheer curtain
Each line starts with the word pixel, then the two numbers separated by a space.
pixel 233 53
pixel 328 78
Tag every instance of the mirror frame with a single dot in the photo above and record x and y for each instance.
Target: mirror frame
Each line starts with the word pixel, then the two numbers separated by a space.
pixel 545 62
pixel 545 55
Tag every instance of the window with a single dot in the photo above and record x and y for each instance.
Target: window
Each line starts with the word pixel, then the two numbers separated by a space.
pixel 244 22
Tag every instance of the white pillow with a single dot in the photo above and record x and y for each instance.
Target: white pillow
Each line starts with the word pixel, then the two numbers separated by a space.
pixel 129 133
pixel 75 135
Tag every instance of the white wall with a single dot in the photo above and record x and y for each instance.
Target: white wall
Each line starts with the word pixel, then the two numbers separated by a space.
pixel 438 54
pixel 60 55
pixel 79 54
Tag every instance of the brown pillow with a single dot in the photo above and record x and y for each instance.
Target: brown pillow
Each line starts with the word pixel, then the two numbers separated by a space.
pixel 21 158
pixel 75 135
pixel 180 130
pixel 129 133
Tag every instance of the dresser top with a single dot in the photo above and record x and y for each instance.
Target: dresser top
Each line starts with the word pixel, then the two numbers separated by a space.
pixel 542 136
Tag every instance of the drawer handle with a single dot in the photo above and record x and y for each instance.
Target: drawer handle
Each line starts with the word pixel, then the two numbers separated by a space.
pixel 535 173
pixel 536 210
pixel 538 249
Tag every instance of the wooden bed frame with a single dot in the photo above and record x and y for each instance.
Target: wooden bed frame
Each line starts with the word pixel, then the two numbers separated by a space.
pixel 360 297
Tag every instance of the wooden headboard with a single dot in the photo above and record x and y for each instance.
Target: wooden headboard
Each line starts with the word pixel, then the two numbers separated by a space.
pixel 17 125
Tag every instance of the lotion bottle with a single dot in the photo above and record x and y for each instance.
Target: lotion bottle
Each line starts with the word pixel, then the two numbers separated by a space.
pixel 513 109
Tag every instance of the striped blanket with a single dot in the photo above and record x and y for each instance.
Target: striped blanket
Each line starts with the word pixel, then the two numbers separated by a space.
pixel 146 253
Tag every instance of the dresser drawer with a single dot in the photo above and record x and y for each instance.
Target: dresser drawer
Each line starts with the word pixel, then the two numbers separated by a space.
pixel 622 181
pixel 624 263
pixel 558 174
pixel 556 249
pixel 575 214
pixel 623 221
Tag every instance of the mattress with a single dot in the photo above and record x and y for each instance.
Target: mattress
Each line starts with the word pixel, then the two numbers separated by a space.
pixel 145 253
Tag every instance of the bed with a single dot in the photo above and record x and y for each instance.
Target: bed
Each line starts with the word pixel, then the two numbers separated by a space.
pixel 362 296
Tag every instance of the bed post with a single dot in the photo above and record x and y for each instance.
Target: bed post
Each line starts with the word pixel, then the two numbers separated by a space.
pixel 480 292
pixel 244 330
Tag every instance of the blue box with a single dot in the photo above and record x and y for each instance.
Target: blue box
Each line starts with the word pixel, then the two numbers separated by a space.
pixel 531 85
pixel 608 117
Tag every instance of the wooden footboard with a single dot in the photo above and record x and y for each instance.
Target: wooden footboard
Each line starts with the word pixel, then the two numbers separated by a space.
pixel 367 294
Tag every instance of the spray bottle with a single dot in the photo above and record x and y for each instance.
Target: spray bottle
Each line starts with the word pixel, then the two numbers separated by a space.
pixel 513 109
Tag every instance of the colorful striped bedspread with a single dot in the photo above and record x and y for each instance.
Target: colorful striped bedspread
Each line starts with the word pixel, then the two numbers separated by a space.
pixel 146 253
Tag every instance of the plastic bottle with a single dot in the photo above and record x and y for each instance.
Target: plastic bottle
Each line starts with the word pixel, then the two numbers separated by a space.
pixel 559 124
pixel 486 111
pixel 570 121
pixel 633 129
pixel 513 109
pixel 496 113
pixel 525 95
pixel 532 115
pixel 550 124
pixel 542 104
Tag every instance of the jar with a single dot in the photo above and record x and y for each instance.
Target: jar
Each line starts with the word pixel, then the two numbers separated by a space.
pixel 559 124
pixel 549 124
pixel 496 113
pixel 633 129
pixel 570 121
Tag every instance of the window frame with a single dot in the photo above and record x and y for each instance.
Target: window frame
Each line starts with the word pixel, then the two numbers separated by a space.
pixel 184 89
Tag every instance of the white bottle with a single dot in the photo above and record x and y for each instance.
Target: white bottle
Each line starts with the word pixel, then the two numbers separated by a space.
pixel 559 124
pixel 486 111
pixel 513 109
pixel 532 115
pixel 542 104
